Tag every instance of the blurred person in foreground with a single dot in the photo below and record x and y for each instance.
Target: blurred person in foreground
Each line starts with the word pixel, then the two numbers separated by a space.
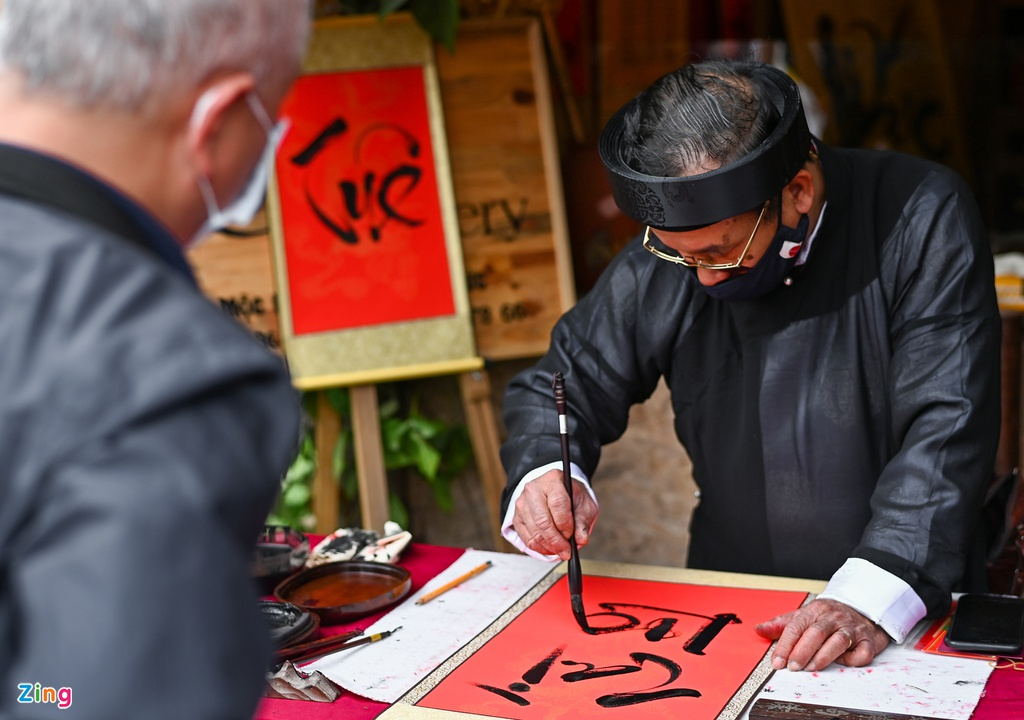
pixel 826 322
pixel 143 433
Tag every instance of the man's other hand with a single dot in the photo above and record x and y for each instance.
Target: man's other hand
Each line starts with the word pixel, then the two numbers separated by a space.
pixel 822 632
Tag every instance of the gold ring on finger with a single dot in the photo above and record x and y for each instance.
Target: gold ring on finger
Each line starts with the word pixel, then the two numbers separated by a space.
pixel 849 638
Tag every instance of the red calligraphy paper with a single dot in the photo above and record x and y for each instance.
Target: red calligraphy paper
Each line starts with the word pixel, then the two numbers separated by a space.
pixel 662 650
pixel 364 238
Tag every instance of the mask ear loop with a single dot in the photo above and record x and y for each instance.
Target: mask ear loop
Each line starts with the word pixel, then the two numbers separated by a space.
pixel 200 112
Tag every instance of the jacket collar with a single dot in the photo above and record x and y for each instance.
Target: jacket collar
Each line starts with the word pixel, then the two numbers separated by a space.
pixel 50 181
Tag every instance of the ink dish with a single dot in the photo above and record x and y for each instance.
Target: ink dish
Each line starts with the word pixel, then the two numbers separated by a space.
pixel 288 623
pixel 347 590
pixel 280 551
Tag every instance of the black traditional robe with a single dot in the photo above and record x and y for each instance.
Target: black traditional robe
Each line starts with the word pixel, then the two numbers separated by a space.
pixel 852 414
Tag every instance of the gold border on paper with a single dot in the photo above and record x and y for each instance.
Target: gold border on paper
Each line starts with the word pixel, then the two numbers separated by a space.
pixel 393 351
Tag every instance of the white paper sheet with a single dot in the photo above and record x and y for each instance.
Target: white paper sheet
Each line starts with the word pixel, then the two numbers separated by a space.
pixel 432 632
pixel 900 680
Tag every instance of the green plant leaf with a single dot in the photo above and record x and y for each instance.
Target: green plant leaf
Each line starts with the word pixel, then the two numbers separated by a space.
pixel 296 496
pixel 439 18
pixel 393 432
pixel 302 468
pixel 339 400
pixel 426 457
pixel 399 513
pixel 425 427
pixel 389 6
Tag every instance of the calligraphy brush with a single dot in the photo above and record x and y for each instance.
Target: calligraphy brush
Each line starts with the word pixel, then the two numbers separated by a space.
pixel 575 573
pixel 327 643
pixel 358 641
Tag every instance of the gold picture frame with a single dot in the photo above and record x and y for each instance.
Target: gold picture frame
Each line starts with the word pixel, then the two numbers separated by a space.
pixel 362 217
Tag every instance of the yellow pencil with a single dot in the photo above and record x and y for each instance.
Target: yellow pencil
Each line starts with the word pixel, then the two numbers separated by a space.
pixel 454 583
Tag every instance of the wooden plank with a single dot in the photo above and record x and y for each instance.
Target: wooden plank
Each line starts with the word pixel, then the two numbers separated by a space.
pixel 326 493
pixel 881 70
pixel 236 272
pixel 638 42
pixel 508 189
pixel 369 451
pixel 483 434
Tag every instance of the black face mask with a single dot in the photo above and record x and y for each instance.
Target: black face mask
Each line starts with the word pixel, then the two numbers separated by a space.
pixel 770 270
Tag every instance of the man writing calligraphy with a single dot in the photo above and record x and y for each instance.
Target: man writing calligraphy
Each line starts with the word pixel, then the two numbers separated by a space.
pixel 825 320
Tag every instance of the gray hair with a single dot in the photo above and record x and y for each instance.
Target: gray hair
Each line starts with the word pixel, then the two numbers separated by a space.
pixel 127 54
pixel 698 118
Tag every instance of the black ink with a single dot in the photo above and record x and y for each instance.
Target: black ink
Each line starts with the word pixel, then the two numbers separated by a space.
pixel 656 633
pixel 360 198
pixel 535 674
pixel 521 702
pixel 497 218
pixel 706 634
pixel 335 128
pixel 482 315
pixel 592 671
pixel 635 698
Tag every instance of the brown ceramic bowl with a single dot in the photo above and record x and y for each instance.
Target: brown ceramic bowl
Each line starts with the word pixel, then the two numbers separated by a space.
pixel 344 591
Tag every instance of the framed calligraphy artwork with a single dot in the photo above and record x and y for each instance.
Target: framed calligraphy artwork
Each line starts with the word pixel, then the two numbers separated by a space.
pixel 362 213
pixel 655 650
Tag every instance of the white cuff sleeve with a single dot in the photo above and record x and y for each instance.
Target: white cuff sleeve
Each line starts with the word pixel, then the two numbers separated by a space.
pixel 878 595
pixel 509 532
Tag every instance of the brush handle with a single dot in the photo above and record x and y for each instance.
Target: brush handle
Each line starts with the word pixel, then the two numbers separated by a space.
pixel 327 643
pixel 575 573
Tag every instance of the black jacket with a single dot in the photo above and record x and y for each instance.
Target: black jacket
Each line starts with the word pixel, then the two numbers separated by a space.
pixel 853 414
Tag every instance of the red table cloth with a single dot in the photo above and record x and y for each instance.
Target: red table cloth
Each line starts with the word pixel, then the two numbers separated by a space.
pixel 1003 697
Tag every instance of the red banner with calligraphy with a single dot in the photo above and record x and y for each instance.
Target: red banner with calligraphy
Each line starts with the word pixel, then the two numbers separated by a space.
pixel 657 649
pixel 360 209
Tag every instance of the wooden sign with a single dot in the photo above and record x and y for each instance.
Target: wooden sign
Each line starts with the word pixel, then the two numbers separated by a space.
pixel 235 271
pixel 881 69
pixel 362 216
pixel 508 186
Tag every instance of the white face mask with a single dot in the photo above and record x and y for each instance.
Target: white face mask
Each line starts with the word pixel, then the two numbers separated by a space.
pixel 243 208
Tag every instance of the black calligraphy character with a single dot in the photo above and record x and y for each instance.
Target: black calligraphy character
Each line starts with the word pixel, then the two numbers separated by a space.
pixel 661 628
pixel 636 697
pixel 706 634
pixel 531 677
pixel 361 199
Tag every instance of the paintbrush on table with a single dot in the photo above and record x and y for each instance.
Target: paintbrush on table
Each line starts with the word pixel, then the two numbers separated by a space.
pixel 326 644
pixel 575 573
pixel 347 645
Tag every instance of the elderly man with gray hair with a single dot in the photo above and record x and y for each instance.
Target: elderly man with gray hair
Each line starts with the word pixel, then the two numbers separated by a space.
pixel 142 432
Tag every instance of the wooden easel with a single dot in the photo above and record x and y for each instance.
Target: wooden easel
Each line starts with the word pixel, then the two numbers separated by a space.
pixel 475 387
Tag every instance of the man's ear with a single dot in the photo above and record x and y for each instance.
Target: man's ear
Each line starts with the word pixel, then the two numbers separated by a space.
pixel 213 104
pixel 801 191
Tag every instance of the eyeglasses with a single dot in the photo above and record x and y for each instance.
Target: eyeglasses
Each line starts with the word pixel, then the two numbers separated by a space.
pixel 691 261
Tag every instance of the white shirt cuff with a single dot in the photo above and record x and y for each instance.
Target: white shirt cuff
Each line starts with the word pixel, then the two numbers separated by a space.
pixel 878 595
pixel 509 532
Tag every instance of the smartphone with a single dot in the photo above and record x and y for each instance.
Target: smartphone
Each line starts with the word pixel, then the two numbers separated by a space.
pixel 987 623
